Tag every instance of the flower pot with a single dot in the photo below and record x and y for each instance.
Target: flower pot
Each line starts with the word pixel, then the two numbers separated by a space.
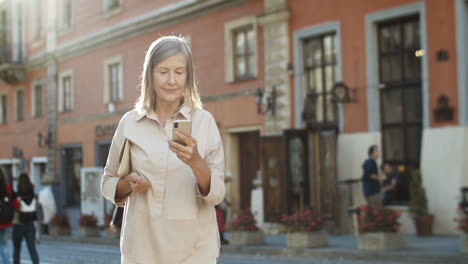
pixel 246 238
pixel 60 231
pixel 307 239
pixel 380 241
pixel 423 225
pixel 85 231
pixel 464 243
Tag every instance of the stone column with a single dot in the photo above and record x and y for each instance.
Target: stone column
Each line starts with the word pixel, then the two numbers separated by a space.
pixel 276 38
pixel 51 122
pixel 51 82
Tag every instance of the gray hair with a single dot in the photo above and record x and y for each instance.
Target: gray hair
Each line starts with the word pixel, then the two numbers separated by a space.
pixel 158 51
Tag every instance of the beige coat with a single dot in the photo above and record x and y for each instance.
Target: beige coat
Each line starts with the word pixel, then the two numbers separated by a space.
pixel 172 223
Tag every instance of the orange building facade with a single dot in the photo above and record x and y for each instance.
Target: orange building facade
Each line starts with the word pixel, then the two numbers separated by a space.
pixel 70 70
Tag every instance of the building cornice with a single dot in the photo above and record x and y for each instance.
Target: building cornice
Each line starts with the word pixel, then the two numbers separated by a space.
pixel 133 27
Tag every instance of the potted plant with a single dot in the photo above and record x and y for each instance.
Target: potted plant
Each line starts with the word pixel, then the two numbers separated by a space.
pixel 88 226
pixel 60 225
pixel 418 206
pixel 244 230
pixel 462 221
pixel 305 230
pixel 378 229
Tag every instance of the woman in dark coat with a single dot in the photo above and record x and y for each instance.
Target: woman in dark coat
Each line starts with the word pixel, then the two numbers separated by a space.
pixel 23 224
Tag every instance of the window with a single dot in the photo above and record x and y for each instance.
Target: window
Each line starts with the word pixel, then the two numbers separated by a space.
pixel 110 5
pixel 3 109
pixel 37 100
pixel 3 36
pixel 36 19
pixel 244 53
pixel 65 92
pixel 320 71
pixel 18 32
pixel 113 82
pixel 399 55
pixel 19 104
pixel 241 58
pixel 67 14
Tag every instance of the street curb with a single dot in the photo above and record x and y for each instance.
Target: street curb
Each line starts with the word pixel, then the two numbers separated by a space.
pixel 81 240
pixel 330 253
pixel 321 253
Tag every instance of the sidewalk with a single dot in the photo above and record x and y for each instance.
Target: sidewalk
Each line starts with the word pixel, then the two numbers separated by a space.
pixel 437 249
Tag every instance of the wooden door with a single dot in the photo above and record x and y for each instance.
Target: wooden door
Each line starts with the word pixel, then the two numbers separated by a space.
pixel 249 157
pixel 274 188
pixel 297 170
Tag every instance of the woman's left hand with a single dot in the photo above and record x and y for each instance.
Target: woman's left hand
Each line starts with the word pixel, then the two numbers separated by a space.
pixel 188 153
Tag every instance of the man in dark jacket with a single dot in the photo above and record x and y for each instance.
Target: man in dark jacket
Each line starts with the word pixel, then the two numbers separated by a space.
pixel 370 177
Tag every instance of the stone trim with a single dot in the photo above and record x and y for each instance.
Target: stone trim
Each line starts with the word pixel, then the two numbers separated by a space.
pixel 372 64
pixel 276 42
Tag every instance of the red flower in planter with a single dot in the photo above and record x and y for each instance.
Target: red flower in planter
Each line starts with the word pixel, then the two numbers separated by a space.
pixel 244 221
pixel 378 220
pixel 303 222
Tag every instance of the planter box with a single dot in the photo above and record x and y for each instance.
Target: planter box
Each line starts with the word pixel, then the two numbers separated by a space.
pixel 307 239
pixel 464 243
pixel 59 231
pixel 245 238
pixel 381 241
pixel 88 231
pixel 423 225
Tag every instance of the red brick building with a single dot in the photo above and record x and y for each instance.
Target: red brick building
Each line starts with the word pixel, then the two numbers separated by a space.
pixel 70 69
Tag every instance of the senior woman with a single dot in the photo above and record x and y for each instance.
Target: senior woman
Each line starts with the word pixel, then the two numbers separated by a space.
pixel 170 195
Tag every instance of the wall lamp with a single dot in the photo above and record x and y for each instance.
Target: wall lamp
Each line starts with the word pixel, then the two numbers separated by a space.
pixel 47 140
pixel 270 101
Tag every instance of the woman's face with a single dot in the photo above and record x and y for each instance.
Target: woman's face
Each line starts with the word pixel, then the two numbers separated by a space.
pixel 170 76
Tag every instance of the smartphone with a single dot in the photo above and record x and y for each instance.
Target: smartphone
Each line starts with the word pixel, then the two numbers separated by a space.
pixel 184 127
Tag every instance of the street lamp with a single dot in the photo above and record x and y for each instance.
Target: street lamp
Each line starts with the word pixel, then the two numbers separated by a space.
pixel 270 101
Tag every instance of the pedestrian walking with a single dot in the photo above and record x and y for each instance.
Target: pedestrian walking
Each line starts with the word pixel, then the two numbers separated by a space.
pixel 23 223
pixel 47 201
pixel 8 204
pixel 370 178
pixel 171 192
pixel 389 183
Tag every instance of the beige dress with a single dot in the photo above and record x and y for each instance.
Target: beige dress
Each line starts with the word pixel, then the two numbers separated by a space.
pixel 172 223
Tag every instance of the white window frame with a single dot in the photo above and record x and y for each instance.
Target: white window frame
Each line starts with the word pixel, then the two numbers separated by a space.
pixel 107 85
pixel 15 103
pixel 299 86
pixel 3 122
pixel 33 98
pixel 64 27
pixel 229 28
pixel 61 92
pixel 18 44
pixel 36 15
pixel 461 24
pixel 372 60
